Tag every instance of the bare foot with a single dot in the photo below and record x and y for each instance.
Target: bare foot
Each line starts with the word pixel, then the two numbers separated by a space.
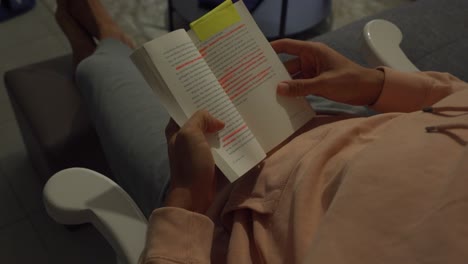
pixel 93 16
pixel 81 42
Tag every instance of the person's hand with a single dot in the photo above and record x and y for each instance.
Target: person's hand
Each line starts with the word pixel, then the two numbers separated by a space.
pixel 324 72
pixel 193 181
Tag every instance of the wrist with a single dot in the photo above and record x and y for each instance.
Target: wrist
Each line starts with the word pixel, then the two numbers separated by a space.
pixel 374 80
pixel 179 197
pixel 185 198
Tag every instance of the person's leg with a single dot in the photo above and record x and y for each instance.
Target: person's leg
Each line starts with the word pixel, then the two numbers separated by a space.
pixel 82 44
pixel 127 115
pixel 129 120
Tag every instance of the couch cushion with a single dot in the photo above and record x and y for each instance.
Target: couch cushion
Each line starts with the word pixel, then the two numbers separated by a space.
pixel 46 94
pixel 435 35
pixel 52 117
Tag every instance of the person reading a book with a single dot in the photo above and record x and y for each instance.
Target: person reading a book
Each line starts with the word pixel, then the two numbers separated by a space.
pixel 343 189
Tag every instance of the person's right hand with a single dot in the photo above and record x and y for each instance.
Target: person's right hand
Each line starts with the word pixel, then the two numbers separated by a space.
pixel 324 72
pixel 193 181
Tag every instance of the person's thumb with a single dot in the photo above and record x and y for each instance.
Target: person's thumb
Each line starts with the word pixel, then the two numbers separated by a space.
pixel 299 87
pixel 206 122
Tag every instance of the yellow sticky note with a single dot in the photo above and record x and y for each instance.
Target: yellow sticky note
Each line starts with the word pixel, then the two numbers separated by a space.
pixel 215 21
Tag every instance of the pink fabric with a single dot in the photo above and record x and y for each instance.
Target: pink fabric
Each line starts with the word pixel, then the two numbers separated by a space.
pixel 361 190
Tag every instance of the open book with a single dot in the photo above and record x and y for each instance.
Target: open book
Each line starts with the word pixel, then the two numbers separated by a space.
pixel 226 66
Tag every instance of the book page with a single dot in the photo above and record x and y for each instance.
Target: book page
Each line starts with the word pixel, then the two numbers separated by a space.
pixel 249 71
pixel 194 87
pixel 146 67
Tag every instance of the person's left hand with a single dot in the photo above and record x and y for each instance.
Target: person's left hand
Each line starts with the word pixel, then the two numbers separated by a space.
pixel 325 72
pixel 193 181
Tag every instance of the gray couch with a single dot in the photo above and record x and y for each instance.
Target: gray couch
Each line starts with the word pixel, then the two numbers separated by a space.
pixel 55 126
pixel 58 132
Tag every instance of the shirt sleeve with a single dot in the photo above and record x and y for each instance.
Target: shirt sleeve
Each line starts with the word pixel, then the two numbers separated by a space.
pixel 411 91
pixel 177 235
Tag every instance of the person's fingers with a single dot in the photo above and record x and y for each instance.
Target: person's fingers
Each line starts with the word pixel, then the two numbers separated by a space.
pixel 205 122
pixel 288 46
pixel 303 87
pixel 295 47
pixel 171 129
pixel 293 66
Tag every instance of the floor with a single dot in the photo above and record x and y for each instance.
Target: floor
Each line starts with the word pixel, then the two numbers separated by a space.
pixel 145 20
pixel 27 234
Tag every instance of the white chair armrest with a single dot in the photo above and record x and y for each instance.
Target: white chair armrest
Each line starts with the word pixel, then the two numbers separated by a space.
pixel 381 46
pixel 77 196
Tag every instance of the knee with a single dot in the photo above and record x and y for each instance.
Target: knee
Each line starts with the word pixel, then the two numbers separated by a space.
pixel 88 69
pixel 83 68
pixel 88 74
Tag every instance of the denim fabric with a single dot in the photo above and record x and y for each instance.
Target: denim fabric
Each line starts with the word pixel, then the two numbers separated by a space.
pixel 129 120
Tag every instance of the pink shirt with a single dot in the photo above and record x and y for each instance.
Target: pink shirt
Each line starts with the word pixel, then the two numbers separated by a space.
pixel 361 190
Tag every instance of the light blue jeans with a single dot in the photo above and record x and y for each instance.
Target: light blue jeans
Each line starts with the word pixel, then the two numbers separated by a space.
pixel 130 121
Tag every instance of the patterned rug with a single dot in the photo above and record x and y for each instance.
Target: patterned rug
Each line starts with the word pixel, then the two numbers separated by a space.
pixel 147 19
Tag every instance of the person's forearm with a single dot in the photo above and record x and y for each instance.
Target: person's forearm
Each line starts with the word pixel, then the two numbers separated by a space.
pixel 185 198
pixel 411 91
pixel 179 197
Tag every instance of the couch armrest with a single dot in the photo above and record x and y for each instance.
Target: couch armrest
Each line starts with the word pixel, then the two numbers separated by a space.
pixel 77 196
pixel 381 46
